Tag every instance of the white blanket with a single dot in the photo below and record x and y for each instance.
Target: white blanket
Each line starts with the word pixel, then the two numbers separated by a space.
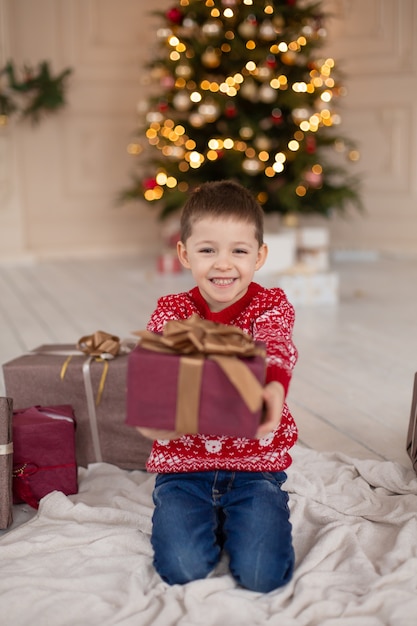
pixel 86 560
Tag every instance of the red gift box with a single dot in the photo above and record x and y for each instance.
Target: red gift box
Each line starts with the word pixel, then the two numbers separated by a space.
pixel 213 389
pixel 44 453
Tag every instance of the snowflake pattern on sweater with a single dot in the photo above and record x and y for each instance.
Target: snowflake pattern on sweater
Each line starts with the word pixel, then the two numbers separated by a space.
pixel 267 316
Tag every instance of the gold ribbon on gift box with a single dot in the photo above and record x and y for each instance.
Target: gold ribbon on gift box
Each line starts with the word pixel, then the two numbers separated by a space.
pixel 99 346
pixel 195 339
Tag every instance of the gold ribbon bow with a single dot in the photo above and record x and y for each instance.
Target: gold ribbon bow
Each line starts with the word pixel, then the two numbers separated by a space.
pixel 195 339
pixel 99 344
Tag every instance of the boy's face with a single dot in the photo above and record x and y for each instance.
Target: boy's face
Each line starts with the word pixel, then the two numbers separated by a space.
pixel 223 255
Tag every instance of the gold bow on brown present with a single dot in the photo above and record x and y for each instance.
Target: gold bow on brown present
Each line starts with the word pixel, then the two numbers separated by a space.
pixel 195 339
pixel 100 344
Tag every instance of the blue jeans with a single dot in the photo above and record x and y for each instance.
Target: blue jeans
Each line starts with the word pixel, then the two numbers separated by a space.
pixel 245 513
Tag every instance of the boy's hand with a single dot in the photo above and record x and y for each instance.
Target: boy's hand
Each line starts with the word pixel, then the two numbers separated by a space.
pixel 274 401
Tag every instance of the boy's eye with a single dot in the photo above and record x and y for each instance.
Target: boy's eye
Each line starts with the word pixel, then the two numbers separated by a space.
pixel 240 251
pixel 206 250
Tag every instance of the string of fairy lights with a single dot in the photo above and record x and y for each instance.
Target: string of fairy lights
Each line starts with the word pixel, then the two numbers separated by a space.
pixel 258 80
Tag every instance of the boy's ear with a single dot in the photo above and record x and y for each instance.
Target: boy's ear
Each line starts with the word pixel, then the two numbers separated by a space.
pixel 183 255
pixel 262 254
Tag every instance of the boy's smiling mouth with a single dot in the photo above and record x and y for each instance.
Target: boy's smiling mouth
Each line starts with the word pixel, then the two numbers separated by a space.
pixel 222 281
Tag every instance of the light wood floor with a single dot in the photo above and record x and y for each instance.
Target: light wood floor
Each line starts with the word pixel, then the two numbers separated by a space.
pixel 351 389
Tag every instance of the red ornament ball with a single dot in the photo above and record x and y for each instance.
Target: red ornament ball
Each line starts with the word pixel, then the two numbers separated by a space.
pixel 162 106
pixel 271 60
pixel 277 116
pixel 311 145
pixel 149 183
pixel 230 110
pixel 174 15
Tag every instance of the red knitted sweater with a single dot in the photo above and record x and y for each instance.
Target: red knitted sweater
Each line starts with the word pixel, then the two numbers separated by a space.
pixel 267 316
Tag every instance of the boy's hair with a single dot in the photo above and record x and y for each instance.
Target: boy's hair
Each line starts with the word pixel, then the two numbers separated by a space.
pixel 221 198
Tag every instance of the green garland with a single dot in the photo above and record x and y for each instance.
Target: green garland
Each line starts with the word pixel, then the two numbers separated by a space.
pixel 37 93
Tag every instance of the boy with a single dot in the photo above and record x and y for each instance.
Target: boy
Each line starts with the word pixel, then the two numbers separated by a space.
pixel 223 492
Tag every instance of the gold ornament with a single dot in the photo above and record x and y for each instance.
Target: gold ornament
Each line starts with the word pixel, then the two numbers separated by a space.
pixel 300 114
pixel 289 57
pixel 246 132
pixel 252 166
pixel 267 31
pixel 249 90
pixel 209 110
pixel 181 101
pixel 247 29
pixel 197 120
pixel 212 28
pixel 262 142
pixel 211 57
pixel 163 33
pixel 264 73
pixel 154 116
pixel 183 71
pixel 278 23
pixel 188 28
pixel 267 93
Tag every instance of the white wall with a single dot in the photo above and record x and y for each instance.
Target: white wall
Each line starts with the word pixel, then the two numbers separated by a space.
pixel 375 43
pixel 58 181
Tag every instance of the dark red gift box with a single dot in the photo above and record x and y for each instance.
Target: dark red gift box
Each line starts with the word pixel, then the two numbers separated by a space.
pixel 44 453
pixel 161 391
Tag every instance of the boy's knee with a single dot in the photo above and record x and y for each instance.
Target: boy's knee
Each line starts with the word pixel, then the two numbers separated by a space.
pixel 265 582
pixel 264 578
pixel 181 567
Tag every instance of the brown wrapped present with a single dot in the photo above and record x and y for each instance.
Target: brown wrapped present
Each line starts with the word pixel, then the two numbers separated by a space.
pixel 92 379
pixel 197 377
pixel 6 462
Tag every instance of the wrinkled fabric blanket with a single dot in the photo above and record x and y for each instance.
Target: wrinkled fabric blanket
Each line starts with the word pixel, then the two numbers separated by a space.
pixel 86 560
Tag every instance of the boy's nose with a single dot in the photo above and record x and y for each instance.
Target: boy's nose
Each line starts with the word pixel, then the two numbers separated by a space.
pixel 223 262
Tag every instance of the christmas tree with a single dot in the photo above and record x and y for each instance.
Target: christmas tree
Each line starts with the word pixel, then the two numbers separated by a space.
pixel 242 92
